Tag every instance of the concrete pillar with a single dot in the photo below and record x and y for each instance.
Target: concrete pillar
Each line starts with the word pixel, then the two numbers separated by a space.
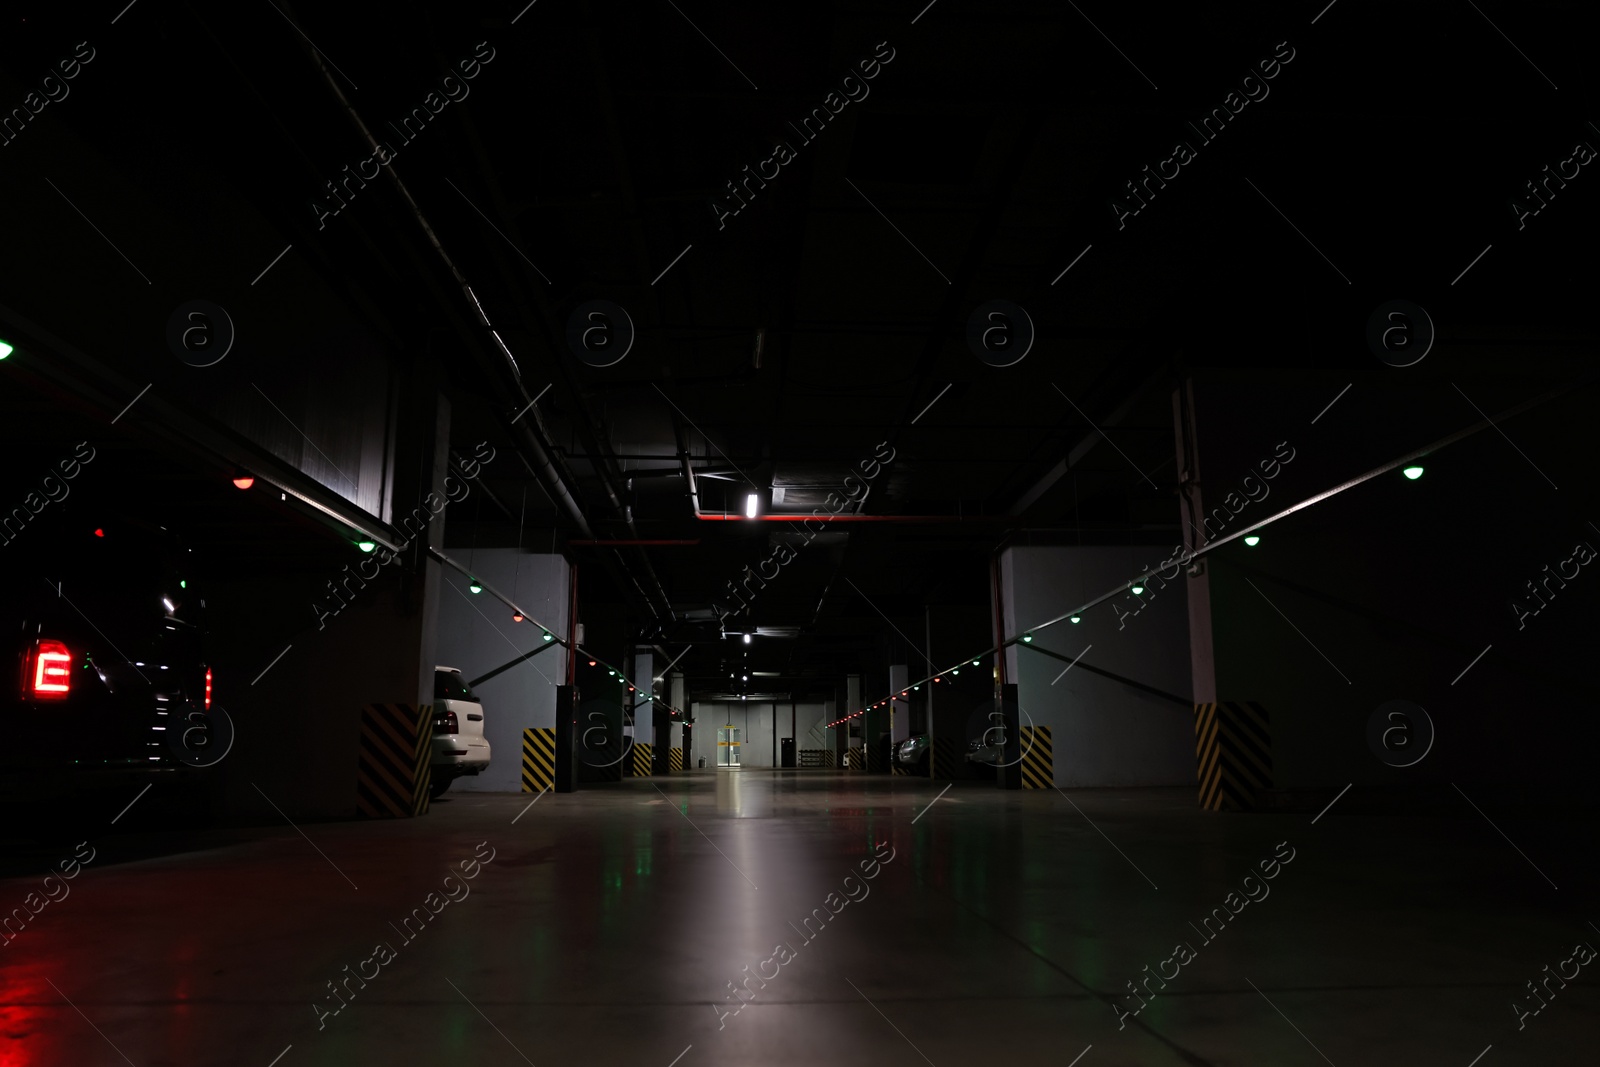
pixel 365 633
pixel 900 714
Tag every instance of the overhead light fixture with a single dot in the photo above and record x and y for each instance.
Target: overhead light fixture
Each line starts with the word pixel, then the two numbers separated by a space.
pixel 168 603
pixel 1076 619
pixel 750 505
pixel 974 663
pixel 5 350
pixel 243 479
pixel 547 635
pixel 591 663
pixel 1136 590
pixel 1252 540
pixel 1027 639
pixel 474 586
pixel 1412 472
pixel 516 616
pixel 183 585
pixel 956 670
pixel 747 639
pixel 366 546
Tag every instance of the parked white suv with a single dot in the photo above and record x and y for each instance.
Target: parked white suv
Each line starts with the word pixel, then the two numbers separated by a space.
pixel 459 747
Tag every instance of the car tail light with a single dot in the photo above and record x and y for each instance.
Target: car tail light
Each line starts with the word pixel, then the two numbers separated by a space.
pixel 445 723
pixel 49 673
pixel 208 688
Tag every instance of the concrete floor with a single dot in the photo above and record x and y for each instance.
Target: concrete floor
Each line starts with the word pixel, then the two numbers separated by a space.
pixel 608 923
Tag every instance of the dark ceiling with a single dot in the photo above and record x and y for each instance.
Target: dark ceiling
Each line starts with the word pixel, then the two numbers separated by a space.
pixel 779 347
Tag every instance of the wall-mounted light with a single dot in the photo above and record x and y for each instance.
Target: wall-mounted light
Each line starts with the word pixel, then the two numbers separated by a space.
pixel 1412 472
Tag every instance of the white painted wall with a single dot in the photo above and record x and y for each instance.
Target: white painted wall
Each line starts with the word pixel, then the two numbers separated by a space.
pixel 477 635
pixel 1103 733
pixel 755 719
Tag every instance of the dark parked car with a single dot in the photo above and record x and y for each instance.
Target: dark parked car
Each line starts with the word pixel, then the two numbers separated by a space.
pixel 109 685
pixel 912 753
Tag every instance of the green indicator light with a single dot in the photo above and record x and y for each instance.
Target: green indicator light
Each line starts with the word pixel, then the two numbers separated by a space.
pixel 183 585
pixel 1027 639
pixel 1412 472
pixel 366 546
pixel 5 350
pixel 474 587
pixel 1136 590
pixel 547 637
pixel 1076 619
pixel 1252 540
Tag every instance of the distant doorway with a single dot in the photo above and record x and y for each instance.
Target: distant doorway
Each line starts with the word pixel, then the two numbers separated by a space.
pixel 728 746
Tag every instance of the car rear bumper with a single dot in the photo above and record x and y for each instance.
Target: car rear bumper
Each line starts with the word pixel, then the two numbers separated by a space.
pixel 460 755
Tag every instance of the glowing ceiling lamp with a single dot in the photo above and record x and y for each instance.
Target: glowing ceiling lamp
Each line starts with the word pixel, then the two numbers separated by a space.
pixel 366 546
pixel 1252 540
pixel 1412 473
pixel 474 586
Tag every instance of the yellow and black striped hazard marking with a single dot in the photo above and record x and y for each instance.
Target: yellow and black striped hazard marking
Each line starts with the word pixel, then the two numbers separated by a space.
pixel 539 759
pixel 1233 747
pixel 896 767
pixel 854 759
pixel 674 759
pixel 642 756
pixel 1038 764
pixel 393 770
pixel 943 765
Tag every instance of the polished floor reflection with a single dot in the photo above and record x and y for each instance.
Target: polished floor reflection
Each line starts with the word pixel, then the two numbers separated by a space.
pixel 783 917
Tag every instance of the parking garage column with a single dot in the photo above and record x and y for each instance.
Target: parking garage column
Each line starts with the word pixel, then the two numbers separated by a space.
pixel 641 760
pixel 900 707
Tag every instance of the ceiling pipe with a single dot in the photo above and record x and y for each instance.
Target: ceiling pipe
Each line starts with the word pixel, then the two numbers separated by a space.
pixel 535 445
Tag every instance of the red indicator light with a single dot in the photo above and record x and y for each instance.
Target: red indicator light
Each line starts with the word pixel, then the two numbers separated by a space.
pixel 516 616
pixel 243 479
pixel 591 663
pixel 99 532
pixel 208 688
pixel 49 672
